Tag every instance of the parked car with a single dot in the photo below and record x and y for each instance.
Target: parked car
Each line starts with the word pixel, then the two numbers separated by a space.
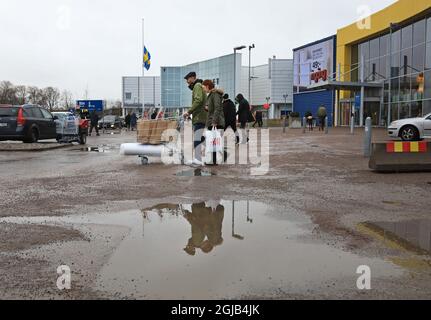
pixel 27 123
pixel 413 129
pixel 110 122
pixel 71 128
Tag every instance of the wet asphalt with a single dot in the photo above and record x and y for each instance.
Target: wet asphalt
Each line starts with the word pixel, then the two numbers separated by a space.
pixel 129 231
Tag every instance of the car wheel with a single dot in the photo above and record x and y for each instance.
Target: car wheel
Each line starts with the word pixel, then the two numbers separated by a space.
pixel 83 139
pixel 33 136
pixel 409 133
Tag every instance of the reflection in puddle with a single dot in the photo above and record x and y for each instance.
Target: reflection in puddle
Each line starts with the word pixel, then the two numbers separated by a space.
pixel 195 173
pixel 219 250
pixel 410 235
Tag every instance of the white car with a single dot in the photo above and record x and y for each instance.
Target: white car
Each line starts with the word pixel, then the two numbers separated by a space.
pixel 413 129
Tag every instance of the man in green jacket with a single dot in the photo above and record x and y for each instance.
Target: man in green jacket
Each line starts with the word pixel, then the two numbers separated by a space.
pixel 198 112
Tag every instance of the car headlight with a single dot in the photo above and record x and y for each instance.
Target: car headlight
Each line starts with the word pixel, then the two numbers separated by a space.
pixel 394 124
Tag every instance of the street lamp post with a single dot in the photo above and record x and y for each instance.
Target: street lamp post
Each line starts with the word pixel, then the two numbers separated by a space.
pixel 234 68
pixel 249 71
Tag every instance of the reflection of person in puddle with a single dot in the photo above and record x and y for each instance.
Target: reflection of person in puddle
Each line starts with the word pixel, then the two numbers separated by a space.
pixel 207 223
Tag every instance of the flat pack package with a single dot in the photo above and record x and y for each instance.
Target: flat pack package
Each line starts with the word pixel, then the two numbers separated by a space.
pixel 155 132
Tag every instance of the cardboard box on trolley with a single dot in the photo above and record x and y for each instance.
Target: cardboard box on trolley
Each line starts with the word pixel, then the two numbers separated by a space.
pixel 152 131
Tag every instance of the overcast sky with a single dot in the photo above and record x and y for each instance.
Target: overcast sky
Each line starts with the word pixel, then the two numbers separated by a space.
pixel 75 44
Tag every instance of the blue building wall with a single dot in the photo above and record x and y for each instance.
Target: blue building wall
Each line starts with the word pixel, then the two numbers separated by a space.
pixel 311 101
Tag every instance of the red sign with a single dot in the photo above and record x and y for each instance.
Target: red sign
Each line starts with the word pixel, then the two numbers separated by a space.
pixel 317 76
pixel 266 106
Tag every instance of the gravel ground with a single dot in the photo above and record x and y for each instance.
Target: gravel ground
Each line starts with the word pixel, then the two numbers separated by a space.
pixel 322 178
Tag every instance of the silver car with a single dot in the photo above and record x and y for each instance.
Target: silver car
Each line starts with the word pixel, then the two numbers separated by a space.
pixel 413 129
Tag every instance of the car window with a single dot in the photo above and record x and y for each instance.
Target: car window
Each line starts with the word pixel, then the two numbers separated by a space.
pixel 9 111
pixel 35 113
pixel 46 114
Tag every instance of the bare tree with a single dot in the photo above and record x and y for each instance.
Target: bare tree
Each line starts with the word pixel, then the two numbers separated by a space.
pixel 21 94
pixel 52 96
pixel 67 100
pixel 36 96
pixel 7 93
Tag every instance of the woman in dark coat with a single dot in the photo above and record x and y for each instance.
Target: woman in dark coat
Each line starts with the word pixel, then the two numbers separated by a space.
pixel 244 113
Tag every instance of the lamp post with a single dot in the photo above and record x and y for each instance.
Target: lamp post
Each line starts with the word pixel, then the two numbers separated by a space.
pixel 249 71
pixel 234 68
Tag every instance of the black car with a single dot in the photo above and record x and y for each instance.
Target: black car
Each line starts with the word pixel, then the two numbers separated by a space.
pixel 27 123
pixel 110 123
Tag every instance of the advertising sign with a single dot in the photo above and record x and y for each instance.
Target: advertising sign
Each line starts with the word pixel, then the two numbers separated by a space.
pixel 313 64
pixel 90 105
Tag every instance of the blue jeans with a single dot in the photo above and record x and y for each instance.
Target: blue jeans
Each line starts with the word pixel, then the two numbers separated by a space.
pixel 198 130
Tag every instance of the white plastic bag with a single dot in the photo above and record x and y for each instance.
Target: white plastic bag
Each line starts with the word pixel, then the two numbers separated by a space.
pixel 214 141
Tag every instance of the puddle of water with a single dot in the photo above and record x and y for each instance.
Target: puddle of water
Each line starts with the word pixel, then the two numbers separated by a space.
pixel 195 173
pixel 219 250
pixel 412 235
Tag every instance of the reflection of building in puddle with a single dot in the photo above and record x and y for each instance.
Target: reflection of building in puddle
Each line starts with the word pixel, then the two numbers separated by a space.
pixel 205 219
pixel 412 237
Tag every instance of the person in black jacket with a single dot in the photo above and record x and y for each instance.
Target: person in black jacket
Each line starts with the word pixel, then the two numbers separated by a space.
pixel 94 119
pixel 244 113
pixel 229 109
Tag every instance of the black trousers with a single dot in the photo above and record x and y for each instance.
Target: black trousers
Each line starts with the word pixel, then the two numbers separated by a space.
pixel 94 126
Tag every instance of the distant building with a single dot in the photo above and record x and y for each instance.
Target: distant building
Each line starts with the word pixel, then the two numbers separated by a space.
pixel 139 92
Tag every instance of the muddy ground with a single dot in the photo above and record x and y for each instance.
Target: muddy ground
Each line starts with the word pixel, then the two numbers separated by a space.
pixel 316 219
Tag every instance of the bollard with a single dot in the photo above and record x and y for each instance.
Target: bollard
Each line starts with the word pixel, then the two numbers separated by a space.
pixel 285 125
pixel 326 125
pixel 368 137
pixel 352 125
pixel 304 124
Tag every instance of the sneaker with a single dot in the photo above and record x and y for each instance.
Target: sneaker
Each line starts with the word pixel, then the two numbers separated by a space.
pixel 195 162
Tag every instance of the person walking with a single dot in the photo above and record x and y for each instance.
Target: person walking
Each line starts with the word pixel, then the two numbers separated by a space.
pixel 322 114
pixel 259 119
pixel 309 117
pixel 154 115
pixel 244 114
pixel 127 121
pixel 197 111
pixel 94 123
pixel 215 119
pixel 229 110
pixel 133 121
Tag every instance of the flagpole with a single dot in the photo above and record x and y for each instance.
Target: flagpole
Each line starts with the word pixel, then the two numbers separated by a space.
pixel 143 65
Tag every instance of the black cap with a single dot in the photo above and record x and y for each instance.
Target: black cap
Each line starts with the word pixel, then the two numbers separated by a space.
pixel 190 75
pixel 226 96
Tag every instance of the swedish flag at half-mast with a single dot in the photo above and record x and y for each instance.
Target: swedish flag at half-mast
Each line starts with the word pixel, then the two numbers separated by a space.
pixel 147 59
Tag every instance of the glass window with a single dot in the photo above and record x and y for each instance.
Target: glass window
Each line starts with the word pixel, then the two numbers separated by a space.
pixel 416 109
pixel 418 58
pixel 404 111
pixel 384 45
pixel 418 86
pixel 419 30
pixel 429 30
pixel 375 48
pixel 427 85
pixel 46 114
pixel 428 56
pixel 407 37
pixel 36 113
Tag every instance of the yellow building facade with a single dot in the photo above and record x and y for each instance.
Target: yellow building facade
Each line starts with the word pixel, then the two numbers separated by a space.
pixel 385 62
